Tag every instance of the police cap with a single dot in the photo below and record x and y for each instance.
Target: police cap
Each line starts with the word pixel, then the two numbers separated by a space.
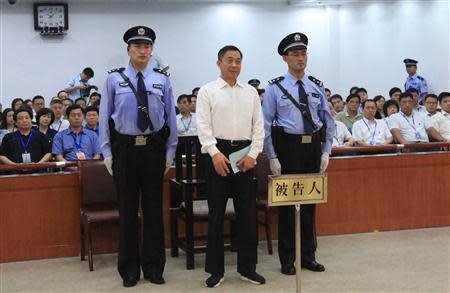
pixel 292 41
pixel 254 82
pixel 410 62
pixel 139 34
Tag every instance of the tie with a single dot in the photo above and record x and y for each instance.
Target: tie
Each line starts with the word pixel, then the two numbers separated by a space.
pixel 143 117
pixel 303 98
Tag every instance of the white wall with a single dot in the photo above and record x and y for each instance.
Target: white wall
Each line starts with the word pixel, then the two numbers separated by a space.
pixel 359 44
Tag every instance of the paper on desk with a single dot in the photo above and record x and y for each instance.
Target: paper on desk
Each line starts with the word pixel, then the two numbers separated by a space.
pixel 236 157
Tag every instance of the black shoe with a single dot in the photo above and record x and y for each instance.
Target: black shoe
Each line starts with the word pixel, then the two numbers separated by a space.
pixel 214 281
pixel 288 269
pixel 313 266
pixel 155 278
pixel 129 282
pixel 253 278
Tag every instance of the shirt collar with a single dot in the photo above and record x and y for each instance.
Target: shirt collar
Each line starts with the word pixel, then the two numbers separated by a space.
pixel 369 122
pixel 292 80
pixel 69 131
pixel 222 83
pixel 133 72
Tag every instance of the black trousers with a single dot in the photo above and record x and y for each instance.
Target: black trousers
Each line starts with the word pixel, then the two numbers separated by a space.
pixel 240 187
pixel 296 158
pixel 138 174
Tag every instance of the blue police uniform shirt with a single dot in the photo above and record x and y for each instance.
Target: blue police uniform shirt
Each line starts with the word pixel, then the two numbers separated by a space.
pixel 65 143
pixel 282 112
pixel 119 103
pixel 417 82
pixel 76 80
pixel 91 129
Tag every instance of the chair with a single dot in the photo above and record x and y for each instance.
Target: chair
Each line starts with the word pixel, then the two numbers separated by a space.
pixel 188 202
pixel 262 171
pixel 98 202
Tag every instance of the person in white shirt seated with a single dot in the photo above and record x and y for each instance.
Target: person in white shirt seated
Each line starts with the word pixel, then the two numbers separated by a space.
pixel 441 120
pixel 409 126
pixel 186 121
pixel 342 137
pixel 59 124
pixel 416 106
pixel 371 131
pixel 390 107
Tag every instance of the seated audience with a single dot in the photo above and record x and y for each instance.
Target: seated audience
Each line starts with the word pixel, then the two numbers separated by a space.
pixel 45 118
pixel 193 103
pixel 370 131
pixel 362 93
pixel 60 123
pixel 91 114
pixel 328 93
pixel 186 121
pixel 337 102
pixel 431 104
pixel 25 145
pixel 379 100
pixel 441 120
pixel 409 126
pixel 16 103
pixel 342 137
pixel 80 101
pixel 8 120
pixel 76 142
pixel 350 115
pixel 29 103
pixel 62 95
pixel 66 103
pixel 353 89
pixel 38 104
pixel 389 108
pixel 394 94
pixel 94 99
pixel 416 106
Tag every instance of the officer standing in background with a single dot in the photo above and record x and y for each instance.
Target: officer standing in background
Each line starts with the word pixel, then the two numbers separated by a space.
pixel 138 138
pixel 299 132
pixel 414 80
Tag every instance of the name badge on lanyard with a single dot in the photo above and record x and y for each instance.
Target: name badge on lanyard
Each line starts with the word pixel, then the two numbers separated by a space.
pixel 413 126
pixel 80 155
pixel 26 156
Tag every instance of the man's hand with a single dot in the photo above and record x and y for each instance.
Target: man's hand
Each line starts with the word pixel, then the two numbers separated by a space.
pixel 246 164
pixel 82 86
pixel 108 164
pixel 168 165
pixel 220 164
pixel 324 160
pixel 275 167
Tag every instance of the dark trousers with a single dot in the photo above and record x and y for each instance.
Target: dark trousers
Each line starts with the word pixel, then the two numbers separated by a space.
pixel 296 158
pixel 241 188
pixel 138 173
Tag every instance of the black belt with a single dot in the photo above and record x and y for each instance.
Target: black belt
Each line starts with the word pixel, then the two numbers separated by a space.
pixel 136 140
pixel 301 138
pixel 233 143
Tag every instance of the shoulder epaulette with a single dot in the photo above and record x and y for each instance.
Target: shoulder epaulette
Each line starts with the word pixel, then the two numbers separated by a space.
pixel 420 77
pixel 280 78
pixel 315 80
pixel 119 69
pixel 161 71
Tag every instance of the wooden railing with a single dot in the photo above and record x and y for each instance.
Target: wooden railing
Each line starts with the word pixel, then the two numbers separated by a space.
pixel 390 147
pixel 38 166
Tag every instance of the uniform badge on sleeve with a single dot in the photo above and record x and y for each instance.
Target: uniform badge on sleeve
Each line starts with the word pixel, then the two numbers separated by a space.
pixel 158 86
pixel 124 84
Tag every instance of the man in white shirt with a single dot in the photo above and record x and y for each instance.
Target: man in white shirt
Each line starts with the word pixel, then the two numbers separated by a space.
pixel 60 123
pixel 442 121
pixel 342 137
pixel 370 131
pixel 416 106
pixel 186 121
pixel 409 126
pixel 229 119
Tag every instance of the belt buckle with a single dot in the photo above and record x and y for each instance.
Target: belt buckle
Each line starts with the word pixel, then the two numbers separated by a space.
pixel 306 139
pixel 233 143
pixel 140 140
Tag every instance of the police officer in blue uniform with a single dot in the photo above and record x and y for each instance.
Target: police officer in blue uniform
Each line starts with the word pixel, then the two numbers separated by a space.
pixel 414 80
pixel 299 132
pixel 138 138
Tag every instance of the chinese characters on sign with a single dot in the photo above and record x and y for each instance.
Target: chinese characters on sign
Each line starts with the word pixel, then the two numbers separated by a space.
pixel 291 189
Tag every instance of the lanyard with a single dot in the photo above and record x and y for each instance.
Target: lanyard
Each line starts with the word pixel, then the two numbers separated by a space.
pixel 413 125
pixel 25 145
pixel 186 128
pixel 372 140
pixel 77 145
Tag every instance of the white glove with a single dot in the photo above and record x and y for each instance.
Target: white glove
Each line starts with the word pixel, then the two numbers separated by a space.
pixel 324 160
pixel 275 167
pixel 168 165
pixel 108 164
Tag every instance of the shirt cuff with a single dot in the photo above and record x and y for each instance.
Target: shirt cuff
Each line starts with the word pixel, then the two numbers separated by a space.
pixel 212 150
pixel 253 153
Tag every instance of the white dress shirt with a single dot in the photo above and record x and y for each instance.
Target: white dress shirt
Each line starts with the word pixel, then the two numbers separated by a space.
pixel 413 127
pixel 371 132
pixel 60 125
pixel 441 122
pixel 187 125
pixel 231 113
pixel 341 134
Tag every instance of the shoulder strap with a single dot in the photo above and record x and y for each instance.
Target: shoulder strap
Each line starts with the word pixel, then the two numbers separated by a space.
pixel 315 80
pixel 300 106
pixel 161 71
pixel 278 79
pixel 119 69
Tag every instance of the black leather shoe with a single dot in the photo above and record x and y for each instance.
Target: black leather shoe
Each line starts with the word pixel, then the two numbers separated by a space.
pixel 155 278
pixel 313 266
pixel 129 282
pixel 288 269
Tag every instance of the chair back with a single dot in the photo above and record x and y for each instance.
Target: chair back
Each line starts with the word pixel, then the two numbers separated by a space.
pixel 97 185
pixel 187 146
pixel 262 171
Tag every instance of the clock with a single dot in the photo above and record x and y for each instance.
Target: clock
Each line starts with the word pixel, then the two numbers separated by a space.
pixel 51 15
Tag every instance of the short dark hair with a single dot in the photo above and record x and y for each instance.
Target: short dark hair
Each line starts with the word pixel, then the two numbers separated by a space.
pixel 38 97
pixel 43 112
pixel 336 96
pixel 227 48
pixel 378 97
pixel 443 95
pixel 195 89
pixel 90 109
pixel 351 96
pixel 406 94
pixel 61 91
pixel 27 101
pixel 23 109
pixel 182 97
pixel 95 94
pixel 353 88
pixel 394 90
pixel 14 102
pixel 55 101
pixel 430 96
pixel 79 99
pixel 67 99
pixel 5 112
pixel 412 90
pixel 368 101
pixel 361 89
pixel 89 72
pixel 327 90
pixel 73 107
pixel 388 104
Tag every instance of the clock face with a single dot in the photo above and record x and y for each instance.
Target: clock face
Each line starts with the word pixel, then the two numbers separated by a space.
pixel 50 15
